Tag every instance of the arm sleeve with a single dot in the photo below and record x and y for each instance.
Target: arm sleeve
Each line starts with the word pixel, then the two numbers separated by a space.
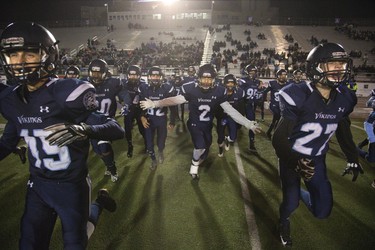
pixel 235 115
pixel 345 138
pixel 369 128
pixel 104 128
pixel 281 143
pixel 170 101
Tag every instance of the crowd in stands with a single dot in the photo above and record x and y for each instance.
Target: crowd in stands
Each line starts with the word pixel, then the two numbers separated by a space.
pixel 179 54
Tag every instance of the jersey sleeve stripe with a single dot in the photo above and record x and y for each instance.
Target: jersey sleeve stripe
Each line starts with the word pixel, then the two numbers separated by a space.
pixel 287 98
pixel 78 91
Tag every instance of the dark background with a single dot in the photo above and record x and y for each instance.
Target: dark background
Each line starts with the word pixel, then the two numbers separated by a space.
pixel 50 10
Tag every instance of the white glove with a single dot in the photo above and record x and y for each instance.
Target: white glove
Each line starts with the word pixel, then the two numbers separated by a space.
pixel 253 125
pixel 266 105
pixel 147 104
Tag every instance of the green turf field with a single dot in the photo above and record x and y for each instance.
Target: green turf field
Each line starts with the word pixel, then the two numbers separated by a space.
pixel 165 209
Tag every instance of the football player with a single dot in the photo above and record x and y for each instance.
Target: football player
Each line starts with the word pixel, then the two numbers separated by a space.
pixel 250 84
pixel 55 117
pixel 176 81
pixel 109 90
pixel 72 72
pixel 204 97
pixel 133 112
pixel 297 77
pixel 274 87
pixel 235 96
pixel 310 114
pixel 155 120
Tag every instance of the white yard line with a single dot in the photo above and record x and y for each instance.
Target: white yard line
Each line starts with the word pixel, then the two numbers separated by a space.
pixel 358 127
pixel 250 217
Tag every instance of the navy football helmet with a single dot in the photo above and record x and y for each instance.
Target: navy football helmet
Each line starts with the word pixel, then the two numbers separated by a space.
pixel 251 71
pixel 134 74
pixel 281 75
pixel 33 38
pixel 191 71
pixel 72 72
pixel 98 71
pixel 328 64
pixel 230 81
pixel 155 76
pixel 206 76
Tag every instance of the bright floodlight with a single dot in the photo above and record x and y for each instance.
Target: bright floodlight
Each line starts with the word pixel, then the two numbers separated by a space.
pixel 168 2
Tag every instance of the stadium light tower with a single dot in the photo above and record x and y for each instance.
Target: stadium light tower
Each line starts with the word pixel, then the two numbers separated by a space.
pixel 106 5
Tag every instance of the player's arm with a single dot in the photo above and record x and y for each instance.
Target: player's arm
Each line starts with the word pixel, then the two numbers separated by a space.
pixel 239 118
pixel 166 102
pixel 96 126
pixel 345 139
pixel 281 143
pixel 9 141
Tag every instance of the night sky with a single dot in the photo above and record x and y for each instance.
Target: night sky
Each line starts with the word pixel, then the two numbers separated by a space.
pixel 51 10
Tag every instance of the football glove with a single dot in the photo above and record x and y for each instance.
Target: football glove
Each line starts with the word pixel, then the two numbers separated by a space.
pixel 354 169
pixel 124 110
pixel 147 104
pixel 253 125
pixel 21 152
pixel 64 133
pixel 305 168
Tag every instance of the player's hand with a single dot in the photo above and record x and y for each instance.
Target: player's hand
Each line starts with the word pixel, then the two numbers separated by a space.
pixel 124 110
pixel 64 134
pixel 254 126
pixel 145 122
pixel 147 104
pixel 305 168
pixel 21 152
pixel 354 169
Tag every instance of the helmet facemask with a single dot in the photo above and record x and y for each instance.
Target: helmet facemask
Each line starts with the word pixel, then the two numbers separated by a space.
pixel 155 80
pixel 96 75
pixel 26 65
pixel 334 72
pixel 206 82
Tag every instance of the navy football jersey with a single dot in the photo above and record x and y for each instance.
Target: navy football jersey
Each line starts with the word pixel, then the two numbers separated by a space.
pixel 236 98
pixel 274 87
pixel 133 91
pixel 58 101
pixel 315 119
pixel 164 91
pixel 250 86
pixel 106 94
pixel 202 105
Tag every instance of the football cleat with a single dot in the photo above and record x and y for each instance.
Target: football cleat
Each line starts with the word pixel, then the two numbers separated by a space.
pixel 105 201
pixel 194 172
pixel 161 157
pixel 227 144
pixel 252 148
pixel 284 232
pixel 221 151
pixel 154 164
pixel 112 171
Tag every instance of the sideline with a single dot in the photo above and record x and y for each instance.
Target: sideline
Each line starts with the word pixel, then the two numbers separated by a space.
pixel 249 212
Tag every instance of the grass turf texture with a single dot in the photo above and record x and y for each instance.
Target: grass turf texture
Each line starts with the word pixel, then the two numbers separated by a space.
pixel 165 209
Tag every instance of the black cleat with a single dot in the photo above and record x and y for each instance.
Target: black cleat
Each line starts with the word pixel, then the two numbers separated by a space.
pixel 105 201
pixel 284 232
pixel 221 151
